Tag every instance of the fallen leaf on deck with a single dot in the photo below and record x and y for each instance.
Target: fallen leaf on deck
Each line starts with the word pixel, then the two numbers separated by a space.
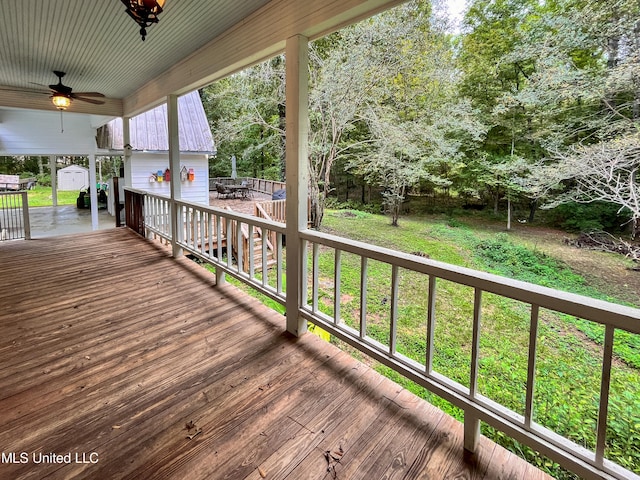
pixel 115 427
pixel 197 432
pixel 189 425
pixel 262 473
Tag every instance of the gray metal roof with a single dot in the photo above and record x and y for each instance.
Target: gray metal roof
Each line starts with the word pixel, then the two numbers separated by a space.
pixel 149 131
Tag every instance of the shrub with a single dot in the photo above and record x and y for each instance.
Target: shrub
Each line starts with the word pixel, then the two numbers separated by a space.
pixel 588 217
pixel 44 179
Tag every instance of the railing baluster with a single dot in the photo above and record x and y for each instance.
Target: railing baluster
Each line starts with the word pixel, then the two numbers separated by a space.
pixel 251 250
pixel 393 320
pixel 264 234
pixel 336 286
pixel 229 237
pixel 431 324
pixel 531 367
pixel 202 240
pixel 604 394
pixel 218 221
pixel 364 263
pixel 210 234
pixel 304 265
pixel 475 345
pixel 279 267
pixel 316 280
pixel 239 246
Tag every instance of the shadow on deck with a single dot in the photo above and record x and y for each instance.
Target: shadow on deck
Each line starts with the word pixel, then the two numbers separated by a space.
pixel 111 349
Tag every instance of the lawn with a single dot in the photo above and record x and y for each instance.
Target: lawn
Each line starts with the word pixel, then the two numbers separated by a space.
pixel 570 351
pixel 41 196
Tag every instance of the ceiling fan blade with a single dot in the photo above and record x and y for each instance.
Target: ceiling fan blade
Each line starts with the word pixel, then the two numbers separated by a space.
pixel 89 100
pixel 87 94
pixel 24 90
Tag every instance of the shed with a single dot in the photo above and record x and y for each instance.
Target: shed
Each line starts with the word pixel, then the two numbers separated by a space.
pixel 73 177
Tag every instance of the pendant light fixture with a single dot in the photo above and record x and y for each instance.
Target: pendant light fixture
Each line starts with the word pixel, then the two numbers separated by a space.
pixel 144 13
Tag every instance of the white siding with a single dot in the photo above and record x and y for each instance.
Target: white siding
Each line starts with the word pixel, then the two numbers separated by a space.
pixel 143 165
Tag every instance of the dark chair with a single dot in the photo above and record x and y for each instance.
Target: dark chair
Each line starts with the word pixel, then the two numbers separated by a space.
pixel 223 190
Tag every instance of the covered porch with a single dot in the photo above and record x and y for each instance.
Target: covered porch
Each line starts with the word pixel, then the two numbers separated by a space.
pixel 111 377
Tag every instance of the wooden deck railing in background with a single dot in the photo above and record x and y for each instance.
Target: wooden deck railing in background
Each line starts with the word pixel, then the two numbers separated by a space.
pixel 257 184
pixel 14 216
pixel 322 302
pixel 276 210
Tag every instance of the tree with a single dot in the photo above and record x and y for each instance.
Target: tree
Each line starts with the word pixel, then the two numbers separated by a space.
pixel 246 113
pixel 606 171
pixel 417 123
pixel 588 78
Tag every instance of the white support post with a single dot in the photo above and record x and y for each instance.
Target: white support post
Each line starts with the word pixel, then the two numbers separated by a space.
pixel 297 115
pixel 174 166
pixel 126 140
pixel 93 192
pixel 54 179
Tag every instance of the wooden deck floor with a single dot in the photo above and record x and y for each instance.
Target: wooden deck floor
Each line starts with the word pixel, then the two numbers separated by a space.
pixel 110 348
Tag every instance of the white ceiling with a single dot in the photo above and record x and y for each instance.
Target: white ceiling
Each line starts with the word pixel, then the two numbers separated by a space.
pixel 99 46
pixel 196 41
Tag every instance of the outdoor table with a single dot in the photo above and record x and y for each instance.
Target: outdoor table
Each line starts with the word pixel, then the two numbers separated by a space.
pixel 243 190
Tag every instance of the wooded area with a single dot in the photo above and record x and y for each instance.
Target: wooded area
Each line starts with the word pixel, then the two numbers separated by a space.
pixel 529 102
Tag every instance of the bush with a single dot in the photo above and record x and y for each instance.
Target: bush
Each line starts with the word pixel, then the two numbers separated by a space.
pixel 44 179
pixel 515 261
pixel 588 217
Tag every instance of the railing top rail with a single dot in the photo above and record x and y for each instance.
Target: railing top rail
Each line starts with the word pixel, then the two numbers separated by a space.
pixel 237 216
pixel 619 316
pixel 14 192
pixel 144 192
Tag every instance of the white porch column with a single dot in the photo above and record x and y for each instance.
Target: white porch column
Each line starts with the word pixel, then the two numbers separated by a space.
pixel 54 179
pixel 126 158
pixel 174 165
pixel 297 183
pixel 93 191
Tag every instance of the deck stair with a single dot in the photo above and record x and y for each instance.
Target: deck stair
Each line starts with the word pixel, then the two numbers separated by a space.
pixel 257 240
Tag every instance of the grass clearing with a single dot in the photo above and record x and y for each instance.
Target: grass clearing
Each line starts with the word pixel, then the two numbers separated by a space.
pixel 570 352
pixel 41 196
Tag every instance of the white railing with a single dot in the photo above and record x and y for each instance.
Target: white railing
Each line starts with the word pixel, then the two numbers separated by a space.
pixel 519 425
pixel 14 216
pixel 204 235
pixel 216 236
pixel 219 237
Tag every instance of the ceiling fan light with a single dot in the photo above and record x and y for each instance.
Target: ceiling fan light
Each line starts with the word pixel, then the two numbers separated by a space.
pixel 61 102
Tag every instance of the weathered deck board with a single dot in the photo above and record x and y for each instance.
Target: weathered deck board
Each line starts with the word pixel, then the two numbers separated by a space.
pixel 111 346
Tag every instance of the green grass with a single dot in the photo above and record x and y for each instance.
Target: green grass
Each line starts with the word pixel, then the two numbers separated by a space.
pixel 40 196
pixel 569 350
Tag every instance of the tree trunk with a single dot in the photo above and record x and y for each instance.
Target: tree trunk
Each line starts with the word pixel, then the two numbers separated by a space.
pixel 533 205
pixel 508 213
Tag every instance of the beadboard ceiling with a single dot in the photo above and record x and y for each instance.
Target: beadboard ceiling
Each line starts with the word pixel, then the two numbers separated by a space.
pixel 99 46
pixel 196 41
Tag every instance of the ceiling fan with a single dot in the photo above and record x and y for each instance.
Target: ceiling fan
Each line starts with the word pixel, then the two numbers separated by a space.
pixel 61 95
